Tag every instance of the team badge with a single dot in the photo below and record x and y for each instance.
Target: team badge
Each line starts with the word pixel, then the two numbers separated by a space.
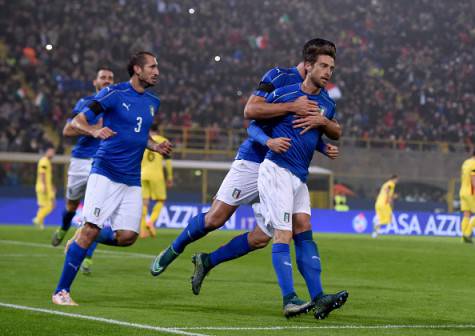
pixel 152 110
pixel 97 212
pixel 322 111
pixel 236 193
pixel 286 217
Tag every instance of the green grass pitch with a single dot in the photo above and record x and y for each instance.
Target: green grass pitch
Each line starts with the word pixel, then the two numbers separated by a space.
pixel 397 285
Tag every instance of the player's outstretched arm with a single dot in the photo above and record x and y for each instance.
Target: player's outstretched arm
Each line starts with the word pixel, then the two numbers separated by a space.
pixel 70 131
pixel 277 145
pixel 257 108
pixel 80 123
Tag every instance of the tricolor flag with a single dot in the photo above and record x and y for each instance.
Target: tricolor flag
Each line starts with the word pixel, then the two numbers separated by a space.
pixel 334 91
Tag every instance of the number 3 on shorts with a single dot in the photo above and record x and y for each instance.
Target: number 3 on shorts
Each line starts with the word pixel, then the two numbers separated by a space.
pixel 139 124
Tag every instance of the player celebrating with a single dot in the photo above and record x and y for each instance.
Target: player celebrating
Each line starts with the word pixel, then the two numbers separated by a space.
pixel 113 188
pixel 467 197
pixel 154 185
pixel 45 191
pixel 81 156
pixel 384 204
pixel 282 202
pixel 240 184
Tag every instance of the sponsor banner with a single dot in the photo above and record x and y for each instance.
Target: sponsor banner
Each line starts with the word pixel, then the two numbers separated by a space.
pixel 177 215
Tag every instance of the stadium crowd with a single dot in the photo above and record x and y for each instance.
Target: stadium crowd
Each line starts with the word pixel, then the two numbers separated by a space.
pixel 405 72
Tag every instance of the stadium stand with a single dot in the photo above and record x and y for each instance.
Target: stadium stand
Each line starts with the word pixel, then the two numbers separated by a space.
pixel 420 86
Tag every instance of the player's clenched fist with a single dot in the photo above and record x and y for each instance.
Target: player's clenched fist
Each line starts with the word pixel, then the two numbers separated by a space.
pixel 103 133
pixel 332 151
pixel 164 148
pixel 278 145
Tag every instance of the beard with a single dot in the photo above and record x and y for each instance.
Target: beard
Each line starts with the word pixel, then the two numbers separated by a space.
pixel 318 83
pixel 146 83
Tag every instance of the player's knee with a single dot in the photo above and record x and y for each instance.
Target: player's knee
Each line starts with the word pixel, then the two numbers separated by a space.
pixel 282 237
pixel 214 220
pixel 87 235
pixel 145 202
pixel 258 240
pixel 126 238
pixel 219 213
pixel 301 223
pixel 72 205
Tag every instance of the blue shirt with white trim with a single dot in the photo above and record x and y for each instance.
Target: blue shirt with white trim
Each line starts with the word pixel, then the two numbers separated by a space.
pixel 297 159
pixel 275 78
pixel 130 114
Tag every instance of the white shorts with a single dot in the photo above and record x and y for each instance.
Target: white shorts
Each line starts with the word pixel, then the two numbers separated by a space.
pixel 260 220
pixel 240 184
pixel 282 194
pixel 78 173
pixel 108 199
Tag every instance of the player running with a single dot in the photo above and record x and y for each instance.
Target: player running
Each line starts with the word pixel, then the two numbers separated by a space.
pixel 113 189
pixel 45 190
pixel 467 197
pixel 81 156
pixel 384 205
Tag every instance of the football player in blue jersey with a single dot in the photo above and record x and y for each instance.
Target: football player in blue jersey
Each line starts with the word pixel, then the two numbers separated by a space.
pixel 301 227
pixel 240 184
pixel 113 189
pixel 282 202
pixel 80 163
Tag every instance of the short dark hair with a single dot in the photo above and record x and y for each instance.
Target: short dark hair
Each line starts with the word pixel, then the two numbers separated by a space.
pixel 137 59
pixel 317 46
pixel 394 176
pixel 104 67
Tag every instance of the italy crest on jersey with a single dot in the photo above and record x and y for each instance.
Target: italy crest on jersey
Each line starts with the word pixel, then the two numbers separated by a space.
pixel 152 110
pixel 322 111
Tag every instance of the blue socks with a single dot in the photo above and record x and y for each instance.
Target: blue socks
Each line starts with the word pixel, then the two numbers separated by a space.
pixel 91 249
pixel 67 218
pixel 283 268
pixel 193 231
pixel 308 263
pixel 73 260
pixel 106 236
pixel 235 248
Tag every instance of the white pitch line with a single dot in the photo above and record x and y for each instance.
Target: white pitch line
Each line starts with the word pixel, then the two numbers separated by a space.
pixel 387 326
pixel 123 254
pixel 175 331
pixel 182 330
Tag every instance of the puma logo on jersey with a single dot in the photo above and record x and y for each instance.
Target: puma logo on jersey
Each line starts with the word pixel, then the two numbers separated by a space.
pixel 126 106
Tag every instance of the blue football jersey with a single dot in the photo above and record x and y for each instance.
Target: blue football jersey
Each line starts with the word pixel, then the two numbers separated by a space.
pixel 130 114
pixel 275 78
pixel 85 146
pixel 297 159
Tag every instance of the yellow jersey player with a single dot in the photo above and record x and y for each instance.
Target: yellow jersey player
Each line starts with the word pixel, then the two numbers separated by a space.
pixel 154 186
pixel 45 191
pixel 384 204
pixel 467 197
